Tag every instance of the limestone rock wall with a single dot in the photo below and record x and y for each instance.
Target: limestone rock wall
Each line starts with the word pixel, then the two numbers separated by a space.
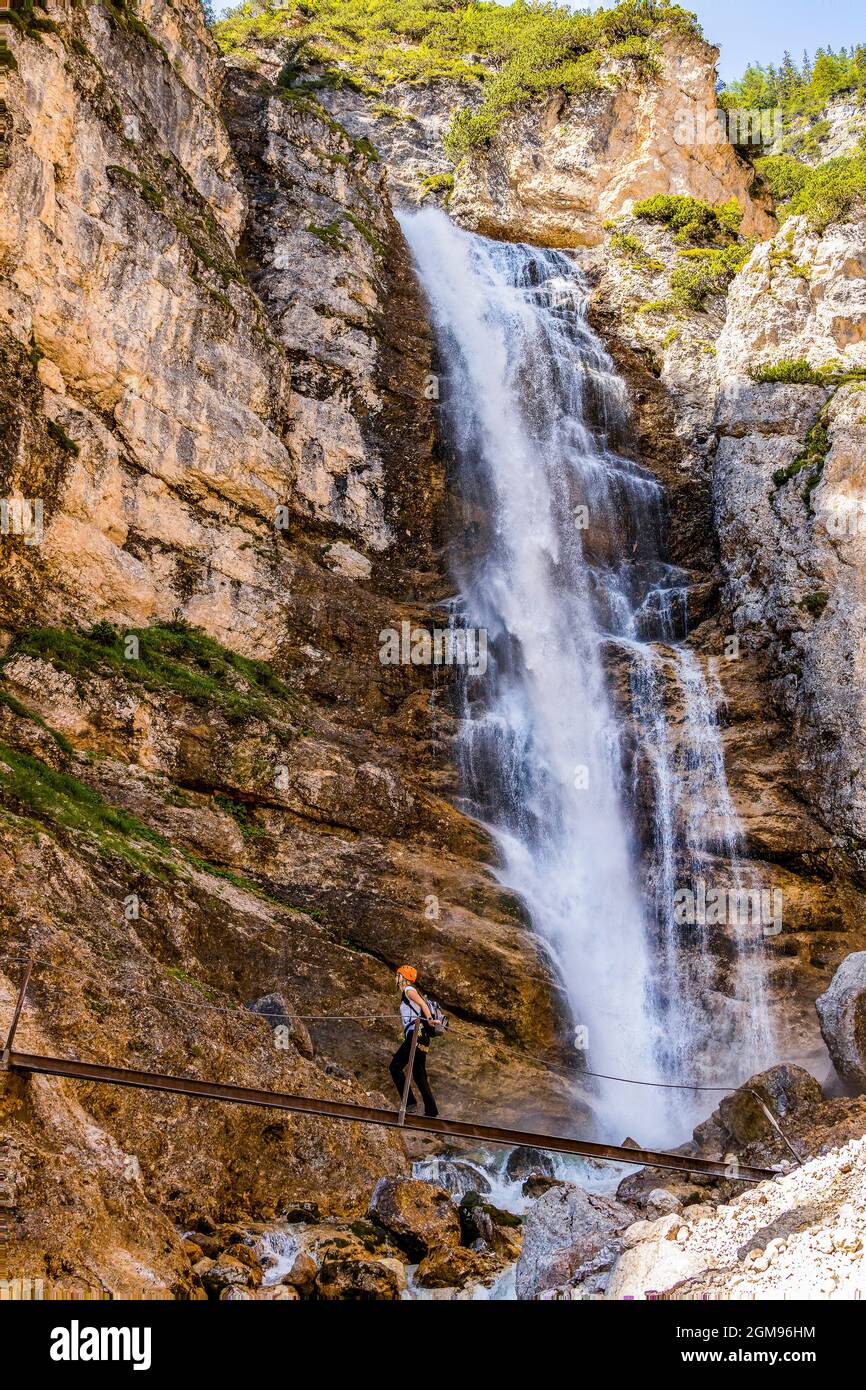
pixel 556 172
pixel 773 560
pixel 789 499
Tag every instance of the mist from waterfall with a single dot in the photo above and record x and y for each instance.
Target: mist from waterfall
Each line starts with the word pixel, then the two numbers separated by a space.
pixel 560 560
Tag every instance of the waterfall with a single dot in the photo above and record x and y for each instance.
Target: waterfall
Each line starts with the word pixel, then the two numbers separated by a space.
pixel 560 563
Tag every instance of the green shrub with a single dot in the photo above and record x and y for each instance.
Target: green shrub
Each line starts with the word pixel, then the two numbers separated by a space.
pixel 366 149
pixel 28 22
pixel 515 52
pixel 784 174
pixel 59 435
pixel 390 112
pixel 470 130
pixel 122 13
pixel 823 194
pixel 816 602
pixel 436 183
pixel 704 273
pixel 293 56
pixel 633 249
pixel 798 372
pixel 659 306
pixel 690 219
pixel 329 234
pixel 151 194
pixel 809 143
pixel 831 191
pixel 795 371
pixel 812 455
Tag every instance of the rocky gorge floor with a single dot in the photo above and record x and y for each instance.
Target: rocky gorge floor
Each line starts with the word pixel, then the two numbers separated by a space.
pixel 470 1226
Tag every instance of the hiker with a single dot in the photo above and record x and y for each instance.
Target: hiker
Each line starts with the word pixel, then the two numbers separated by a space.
pixel 413 1005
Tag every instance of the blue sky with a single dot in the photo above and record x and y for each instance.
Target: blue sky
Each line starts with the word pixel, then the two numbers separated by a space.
pixel 761 30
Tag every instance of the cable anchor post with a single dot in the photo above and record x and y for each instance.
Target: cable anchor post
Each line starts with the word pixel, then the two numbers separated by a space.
pixel 5 1055
pixel 409 1069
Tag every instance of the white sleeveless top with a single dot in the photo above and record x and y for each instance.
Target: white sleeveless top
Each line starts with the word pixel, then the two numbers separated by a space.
pixel 408 1012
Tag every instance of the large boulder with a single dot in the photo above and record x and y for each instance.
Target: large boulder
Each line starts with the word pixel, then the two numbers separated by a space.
pixel 569 1237
pixel 524 1162
pixel 486 1227
pixel 223 1273
pixel 419 1216
pixel 365 1278
pixel 275 1008
pixel 456 1267
pixel 272 1293
pixel 653 1261
pixel 785 1090
pixel 842 1015
pixel 739 1127
pixel 302 1275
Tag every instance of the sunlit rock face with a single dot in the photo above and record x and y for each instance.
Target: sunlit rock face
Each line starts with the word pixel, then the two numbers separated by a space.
pixel 555 172
pixel 227 351
pixel 801 295
pixel 790 499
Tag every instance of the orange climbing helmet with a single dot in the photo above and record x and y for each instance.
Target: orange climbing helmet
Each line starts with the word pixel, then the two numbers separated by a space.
pixel 409 973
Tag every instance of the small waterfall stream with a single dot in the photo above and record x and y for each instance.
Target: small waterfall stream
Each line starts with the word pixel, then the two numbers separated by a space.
pixel 561 564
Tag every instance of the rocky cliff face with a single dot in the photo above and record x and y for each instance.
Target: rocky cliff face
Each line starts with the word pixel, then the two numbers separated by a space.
pixel 837 129
pixel 216 393
pixel 788 501
pixel 557 172
pixel 558 169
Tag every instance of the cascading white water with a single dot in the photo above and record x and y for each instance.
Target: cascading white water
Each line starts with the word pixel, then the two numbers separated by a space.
pixel 561 558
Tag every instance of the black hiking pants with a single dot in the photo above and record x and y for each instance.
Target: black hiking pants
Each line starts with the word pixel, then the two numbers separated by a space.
pixel 400 1061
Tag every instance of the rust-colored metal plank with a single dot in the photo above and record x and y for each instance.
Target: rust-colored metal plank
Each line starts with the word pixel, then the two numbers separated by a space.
pixel 368 1115
pixel 19 1005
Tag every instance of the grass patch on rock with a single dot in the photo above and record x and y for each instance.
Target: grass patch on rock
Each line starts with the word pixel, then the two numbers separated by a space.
pixel 796 371
pixel 436 183
pixel 171 657
pixel 57 797
pixel 632 249
pixel 22 712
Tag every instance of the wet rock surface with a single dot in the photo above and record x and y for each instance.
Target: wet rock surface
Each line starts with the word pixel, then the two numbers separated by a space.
pixel 571 1238
pixel 418 1215
pixel 842 1011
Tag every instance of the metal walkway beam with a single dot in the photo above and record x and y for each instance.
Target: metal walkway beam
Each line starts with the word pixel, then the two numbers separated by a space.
pixel 367 1115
